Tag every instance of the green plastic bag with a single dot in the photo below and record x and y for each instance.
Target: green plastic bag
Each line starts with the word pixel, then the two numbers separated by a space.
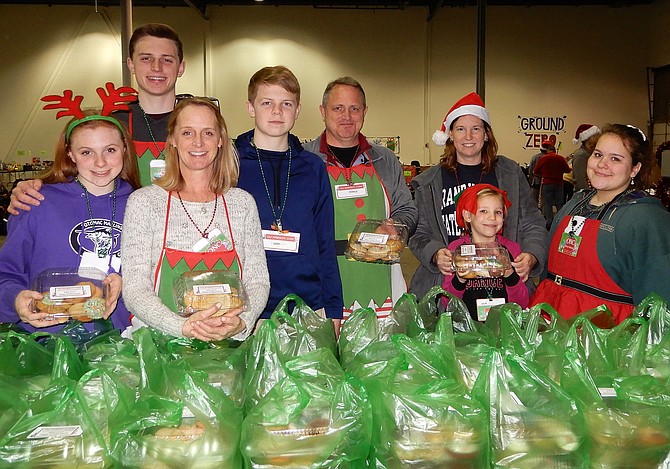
pixel 657 357
pixel 59 429
pixel 219 367
pixel 22 355
pixel 191 424
pixel 316 417
pixel 118 357
pixel 550 344
pixel 628 423
pixel 265 366
pixel 466 349
pixel 428 423
pixel 67 362
pixel 590 341
pixel 358 331
pixel 321 329
pixel 533 422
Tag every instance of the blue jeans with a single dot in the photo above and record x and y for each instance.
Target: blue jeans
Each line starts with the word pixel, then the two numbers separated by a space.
pixel 552 196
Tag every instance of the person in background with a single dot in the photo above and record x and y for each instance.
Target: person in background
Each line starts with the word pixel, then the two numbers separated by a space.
pixel 480 211
pixel 471 157
pixel 194 219
pixel 367 182
pixel 156 59
pixel 610 244
pixel 534 180
pixel 550 169
pixel 78 225
pixel 586 136
pixel 290 186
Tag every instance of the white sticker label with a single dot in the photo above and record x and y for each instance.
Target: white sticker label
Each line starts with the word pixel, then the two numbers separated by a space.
pixel 607 392
pixel 468 250
pixel 218 289
pixel 484 305
pixel 351 191
pixel 284 242
pixel 55 431
pixel 373 238
pixel 73 291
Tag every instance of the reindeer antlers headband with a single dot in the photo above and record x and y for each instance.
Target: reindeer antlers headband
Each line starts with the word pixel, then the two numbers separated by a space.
pixel 113 99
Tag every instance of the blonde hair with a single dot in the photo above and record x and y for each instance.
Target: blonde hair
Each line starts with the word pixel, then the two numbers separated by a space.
pixel 226 165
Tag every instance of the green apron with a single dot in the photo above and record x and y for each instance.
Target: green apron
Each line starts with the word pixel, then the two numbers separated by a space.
pixel 146 153
pixel 174 262
pixel 363 284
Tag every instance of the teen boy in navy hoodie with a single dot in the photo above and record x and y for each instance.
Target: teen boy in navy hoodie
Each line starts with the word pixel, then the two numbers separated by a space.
pixel 293 196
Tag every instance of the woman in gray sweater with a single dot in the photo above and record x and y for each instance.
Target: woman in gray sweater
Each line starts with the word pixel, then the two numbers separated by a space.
pixel 193 219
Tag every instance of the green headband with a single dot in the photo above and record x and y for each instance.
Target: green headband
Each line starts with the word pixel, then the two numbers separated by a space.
pixel 95 117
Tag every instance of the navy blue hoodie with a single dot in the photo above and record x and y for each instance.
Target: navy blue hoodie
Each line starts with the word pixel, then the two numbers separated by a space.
pixel 312 272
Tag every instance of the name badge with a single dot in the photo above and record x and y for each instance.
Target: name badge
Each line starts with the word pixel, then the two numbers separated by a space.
pixel 157 169
pixel 216 242
pixel 284 242
pixel 351 191
pixel 569 244
pixel 484 305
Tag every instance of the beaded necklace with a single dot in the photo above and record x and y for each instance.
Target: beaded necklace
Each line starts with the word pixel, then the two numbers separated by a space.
pixel 205 232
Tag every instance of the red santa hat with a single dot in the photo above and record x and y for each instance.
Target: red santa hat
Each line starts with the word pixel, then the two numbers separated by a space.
pixel 467 200
pixel 469 105
pixel 584 132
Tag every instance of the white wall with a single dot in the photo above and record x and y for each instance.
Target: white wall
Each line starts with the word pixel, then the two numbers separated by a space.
pixel 585 63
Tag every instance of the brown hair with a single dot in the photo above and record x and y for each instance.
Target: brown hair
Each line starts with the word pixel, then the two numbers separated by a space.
pixel 345 81
pixel 64 168
pixel 639 147
pixel 277 75
pixel 226 165
pixel 489 151
pixel 159 30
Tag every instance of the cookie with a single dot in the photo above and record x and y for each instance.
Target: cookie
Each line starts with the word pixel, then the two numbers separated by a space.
pixel 92 308
pixel 49 306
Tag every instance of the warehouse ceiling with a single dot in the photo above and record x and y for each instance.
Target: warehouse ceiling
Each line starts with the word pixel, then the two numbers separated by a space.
pixel 432 5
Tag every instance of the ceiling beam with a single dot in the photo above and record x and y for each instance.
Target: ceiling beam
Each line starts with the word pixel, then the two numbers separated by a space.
pixel 200 6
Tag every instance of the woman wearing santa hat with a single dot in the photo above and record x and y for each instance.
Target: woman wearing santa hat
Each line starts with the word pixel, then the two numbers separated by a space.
pixel 471 157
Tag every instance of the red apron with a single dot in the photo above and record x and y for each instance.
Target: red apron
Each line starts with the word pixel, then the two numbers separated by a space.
pixel 580 283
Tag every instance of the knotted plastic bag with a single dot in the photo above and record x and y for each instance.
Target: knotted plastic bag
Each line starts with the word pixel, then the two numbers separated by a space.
pixel 533 422
pixel 316 417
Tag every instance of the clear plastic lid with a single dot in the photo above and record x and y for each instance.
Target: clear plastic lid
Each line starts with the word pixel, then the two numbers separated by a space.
pixel 480 260
pixel 71 293
pixel 196 291
pixel 377 241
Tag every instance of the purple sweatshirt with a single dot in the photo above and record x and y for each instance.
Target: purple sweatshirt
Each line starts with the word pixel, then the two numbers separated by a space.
pixel 51 236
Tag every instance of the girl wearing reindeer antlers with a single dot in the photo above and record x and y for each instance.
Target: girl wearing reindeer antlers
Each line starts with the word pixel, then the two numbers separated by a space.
pixel 75 232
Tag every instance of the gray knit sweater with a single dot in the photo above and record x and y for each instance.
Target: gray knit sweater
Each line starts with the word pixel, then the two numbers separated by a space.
pixel 142 242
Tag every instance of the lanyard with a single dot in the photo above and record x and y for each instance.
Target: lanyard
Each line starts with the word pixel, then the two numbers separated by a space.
pixel 277 218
